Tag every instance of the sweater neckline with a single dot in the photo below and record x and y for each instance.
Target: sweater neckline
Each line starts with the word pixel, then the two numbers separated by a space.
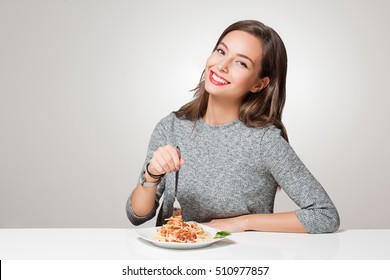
pixel 202 123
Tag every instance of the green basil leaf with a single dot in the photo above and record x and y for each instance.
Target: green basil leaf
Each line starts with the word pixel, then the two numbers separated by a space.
pixel 221 234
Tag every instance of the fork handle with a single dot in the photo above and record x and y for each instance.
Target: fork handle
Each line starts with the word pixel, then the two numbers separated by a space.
pixel 177 171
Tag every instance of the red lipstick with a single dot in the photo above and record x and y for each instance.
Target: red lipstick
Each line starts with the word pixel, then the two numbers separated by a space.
pixel 217 80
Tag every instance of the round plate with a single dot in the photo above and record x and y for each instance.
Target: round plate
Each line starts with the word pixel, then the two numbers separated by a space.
pixel 148 234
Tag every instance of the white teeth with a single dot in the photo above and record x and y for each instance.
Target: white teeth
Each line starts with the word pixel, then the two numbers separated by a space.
pixel 219 80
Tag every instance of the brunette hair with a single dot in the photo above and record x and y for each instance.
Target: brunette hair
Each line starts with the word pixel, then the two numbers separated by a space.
pixel 257 109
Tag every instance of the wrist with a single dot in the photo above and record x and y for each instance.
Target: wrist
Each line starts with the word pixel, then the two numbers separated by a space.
pixel 245 222
pixel 148 179
pixel 153 175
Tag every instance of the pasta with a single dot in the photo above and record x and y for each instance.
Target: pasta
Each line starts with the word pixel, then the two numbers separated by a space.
pixel 176 230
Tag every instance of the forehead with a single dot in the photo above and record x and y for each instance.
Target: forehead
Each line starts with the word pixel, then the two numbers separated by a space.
pixel 241 42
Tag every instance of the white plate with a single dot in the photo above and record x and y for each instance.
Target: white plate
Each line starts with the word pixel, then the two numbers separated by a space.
pixel 148 234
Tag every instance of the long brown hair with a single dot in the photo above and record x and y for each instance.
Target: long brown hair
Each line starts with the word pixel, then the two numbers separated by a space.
pixel 257 109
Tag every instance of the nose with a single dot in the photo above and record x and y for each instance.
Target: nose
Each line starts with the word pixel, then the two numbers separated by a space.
pixel 223 65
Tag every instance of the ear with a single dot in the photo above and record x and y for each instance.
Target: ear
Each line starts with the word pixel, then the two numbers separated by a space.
pixel 262 83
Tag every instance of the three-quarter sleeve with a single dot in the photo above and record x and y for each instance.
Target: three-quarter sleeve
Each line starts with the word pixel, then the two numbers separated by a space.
pixel 317 212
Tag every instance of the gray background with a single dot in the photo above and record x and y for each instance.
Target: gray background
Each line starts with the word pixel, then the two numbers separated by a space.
pixel 83 83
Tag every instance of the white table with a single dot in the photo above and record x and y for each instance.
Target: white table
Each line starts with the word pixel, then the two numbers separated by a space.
pixel 121 244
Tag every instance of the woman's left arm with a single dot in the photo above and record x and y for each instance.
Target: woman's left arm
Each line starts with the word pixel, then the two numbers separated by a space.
pixel 275 222
pixel 317 213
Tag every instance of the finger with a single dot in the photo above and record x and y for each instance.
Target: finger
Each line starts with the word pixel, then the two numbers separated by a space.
pixel 163 158
pixel 162 163
pixel 175 157
pixel 157 163
pixel 169 155
pixel 155 168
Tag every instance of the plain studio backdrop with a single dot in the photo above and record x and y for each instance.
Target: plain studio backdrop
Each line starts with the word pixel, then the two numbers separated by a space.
pixel 83 83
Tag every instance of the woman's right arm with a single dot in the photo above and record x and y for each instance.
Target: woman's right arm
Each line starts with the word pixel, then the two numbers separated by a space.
pixel 164 160
pixel 143 198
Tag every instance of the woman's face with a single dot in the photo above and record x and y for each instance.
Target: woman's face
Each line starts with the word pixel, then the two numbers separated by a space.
pixel 232 70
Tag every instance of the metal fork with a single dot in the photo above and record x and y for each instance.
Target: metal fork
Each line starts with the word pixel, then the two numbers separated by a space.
pixel 176 204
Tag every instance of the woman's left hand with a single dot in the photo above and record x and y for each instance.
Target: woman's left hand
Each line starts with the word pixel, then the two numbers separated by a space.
pixel 235 224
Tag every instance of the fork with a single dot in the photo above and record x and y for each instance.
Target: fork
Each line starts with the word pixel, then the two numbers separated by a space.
pixel 176 203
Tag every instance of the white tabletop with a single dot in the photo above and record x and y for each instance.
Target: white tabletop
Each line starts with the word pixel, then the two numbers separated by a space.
pixel 120 244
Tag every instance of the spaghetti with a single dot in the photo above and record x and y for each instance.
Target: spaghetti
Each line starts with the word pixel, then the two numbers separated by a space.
pixel 176 230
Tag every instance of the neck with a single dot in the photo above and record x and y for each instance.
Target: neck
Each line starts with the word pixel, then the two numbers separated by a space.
pixel 219 113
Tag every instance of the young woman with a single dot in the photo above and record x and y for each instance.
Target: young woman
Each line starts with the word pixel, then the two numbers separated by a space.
pixel 234 147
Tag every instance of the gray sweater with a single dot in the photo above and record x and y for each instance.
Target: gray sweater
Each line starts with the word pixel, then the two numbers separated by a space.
pixel 232 170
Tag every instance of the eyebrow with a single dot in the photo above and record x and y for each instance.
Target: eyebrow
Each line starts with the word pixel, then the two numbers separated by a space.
pixel 239 54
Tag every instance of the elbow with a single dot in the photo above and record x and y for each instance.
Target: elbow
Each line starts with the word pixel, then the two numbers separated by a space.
pixel 328 222
pixel 320 220
pixel 334 223
pixel 134 218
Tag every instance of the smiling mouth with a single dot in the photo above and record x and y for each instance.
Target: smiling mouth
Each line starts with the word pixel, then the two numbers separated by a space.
pixel 217 80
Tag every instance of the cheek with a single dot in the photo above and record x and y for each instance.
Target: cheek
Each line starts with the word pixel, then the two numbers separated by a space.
pixel 246 83
pixel 247 80
pixel 210 61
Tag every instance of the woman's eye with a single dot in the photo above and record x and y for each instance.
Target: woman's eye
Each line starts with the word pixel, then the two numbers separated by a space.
pixel 221 51
pixel 243 64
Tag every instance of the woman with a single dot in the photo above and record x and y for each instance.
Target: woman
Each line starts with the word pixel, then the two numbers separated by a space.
pixel 234 147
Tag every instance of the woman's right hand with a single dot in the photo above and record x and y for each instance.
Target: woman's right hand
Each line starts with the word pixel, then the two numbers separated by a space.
pixel 165 159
